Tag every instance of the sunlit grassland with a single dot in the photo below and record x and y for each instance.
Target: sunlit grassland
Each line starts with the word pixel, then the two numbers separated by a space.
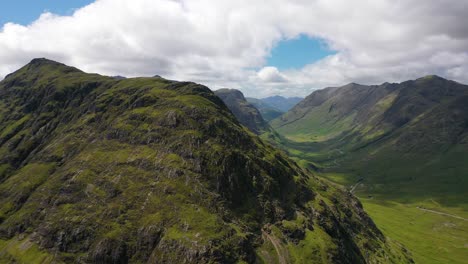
pixel 431 237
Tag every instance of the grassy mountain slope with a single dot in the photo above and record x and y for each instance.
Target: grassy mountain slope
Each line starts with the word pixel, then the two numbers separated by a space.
pixel 245 112
pixel 401 135
pixel 403 143
pixel 95 169
pixel 268 112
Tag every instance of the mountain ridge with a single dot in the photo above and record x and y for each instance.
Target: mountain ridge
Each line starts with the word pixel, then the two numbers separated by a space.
pixel 95 169
pixel 414 116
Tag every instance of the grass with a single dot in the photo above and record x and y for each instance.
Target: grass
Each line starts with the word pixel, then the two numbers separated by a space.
pixel 408 178
pixel 22 252
pixel 394 186
pixel 398 157
pixel 315 126
pixel 313 249
pixel 11 129
pixel 431 238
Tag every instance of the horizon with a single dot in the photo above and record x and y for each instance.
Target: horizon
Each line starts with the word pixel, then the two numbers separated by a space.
pixel 247 96
pixel 280 48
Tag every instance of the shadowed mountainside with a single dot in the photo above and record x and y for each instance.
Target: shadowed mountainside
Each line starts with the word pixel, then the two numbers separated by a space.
pixel 412 136
pixel 245 112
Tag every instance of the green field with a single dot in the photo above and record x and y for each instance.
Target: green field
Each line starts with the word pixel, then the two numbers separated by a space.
pixel 431 238
pixel 434 233
pixel 391 191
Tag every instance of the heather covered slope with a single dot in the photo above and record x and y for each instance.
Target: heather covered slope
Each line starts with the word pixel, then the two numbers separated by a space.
pixel 100 170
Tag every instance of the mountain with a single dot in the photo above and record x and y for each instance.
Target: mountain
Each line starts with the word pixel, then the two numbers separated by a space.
pixel 282 103
pixel 402 148
pixel 419 124
pixel 274 106
pixel 245 112
pixel 267 111
pixel 95 169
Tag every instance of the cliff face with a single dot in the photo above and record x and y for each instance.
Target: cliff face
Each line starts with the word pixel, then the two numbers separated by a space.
pixel 95 169
pixel 245 112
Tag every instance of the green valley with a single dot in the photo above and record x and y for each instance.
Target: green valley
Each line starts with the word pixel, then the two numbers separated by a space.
pixel 401 148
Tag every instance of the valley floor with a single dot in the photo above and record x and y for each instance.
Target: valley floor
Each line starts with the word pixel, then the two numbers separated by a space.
pixel 432 232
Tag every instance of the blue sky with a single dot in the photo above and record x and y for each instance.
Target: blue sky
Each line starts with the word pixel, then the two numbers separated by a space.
pixel 297 52
pixel 26 11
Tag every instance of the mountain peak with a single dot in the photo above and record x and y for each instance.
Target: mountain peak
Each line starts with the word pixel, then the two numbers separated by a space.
pixel 275 97
pixel 40 67
pixel 231 93
pixel 431 78
pixel 41 62
pixel 43 66
pixel 352 84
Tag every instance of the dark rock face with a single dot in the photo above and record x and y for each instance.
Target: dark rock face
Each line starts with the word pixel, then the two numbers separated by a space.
pixel 246 113
pixel 95 169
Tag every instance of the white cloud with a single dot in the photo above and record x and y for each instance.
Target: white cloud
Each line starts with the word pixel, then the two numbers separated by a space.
pixel 225 43
pixel 271 75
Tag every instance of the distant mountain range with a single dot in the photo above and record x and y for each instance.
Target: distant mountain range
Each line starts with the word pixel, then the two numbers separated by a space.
pixel 274 106
pixel 282 103
pixel 96 169
pixel 267 111
pixel 411 136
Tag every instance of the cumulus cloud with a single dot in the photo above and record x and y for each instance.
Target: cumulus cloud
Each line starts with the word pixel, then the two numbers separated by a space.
pixel 271 75
pixel 225 43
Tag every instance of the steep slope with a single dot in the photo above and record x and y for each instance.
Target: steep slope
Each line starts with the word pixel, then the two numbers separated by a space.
pixel 405 135
pixel 282 103
pixel 246 113
pixel 145 170
pixel 401 148
pixel 267 111
pixel 326 113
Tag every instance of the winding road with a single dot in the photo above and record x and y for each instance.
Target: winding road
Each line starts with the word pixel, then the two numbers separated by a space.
pixel 440 213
